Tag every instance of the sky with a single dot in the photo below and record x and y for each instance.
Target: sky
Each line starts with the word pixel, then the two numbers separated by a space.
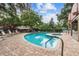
pixel 48 10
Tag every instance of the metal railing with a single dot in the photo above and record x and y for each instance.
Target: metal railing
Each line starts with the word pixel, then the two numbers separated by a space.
pixel 62 43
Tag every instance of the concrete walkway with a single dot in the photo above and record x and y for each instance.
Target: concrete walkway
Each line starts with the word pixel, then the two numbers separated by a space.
pixel 71 46
pixel 16 46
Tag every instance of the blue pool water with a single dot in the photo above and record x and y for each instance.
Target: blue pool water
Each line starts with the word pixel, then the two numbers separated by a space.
pixel 41 38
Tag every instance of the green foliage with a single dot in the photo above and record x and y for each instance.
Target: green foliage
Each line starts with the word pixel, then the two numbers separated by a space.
pixel 58 27
pixel 7 13
pixel 64 14
pixel 27 17
pixel 45 27
pixel 30 18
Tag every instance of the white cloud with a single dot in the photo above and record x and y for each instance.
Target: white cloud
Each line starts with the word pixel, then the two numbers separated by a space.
pixel 39 5
pixel 47 18
pixel 43 8
pixel 43 11
pixel 49 6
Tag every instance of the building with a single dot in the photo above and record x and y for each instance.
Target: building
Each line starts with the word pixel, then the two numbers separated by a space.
pixel 28 5
pixel 21 7
pixel 73 21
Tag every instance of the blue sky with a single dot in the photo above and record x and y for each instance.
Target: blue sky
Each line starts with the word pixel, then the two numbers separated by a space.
pixel 48 10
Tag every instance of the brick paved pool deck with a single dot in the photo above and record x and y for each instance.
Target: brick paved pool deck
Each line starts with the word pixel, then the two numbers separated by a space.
pixel 16 46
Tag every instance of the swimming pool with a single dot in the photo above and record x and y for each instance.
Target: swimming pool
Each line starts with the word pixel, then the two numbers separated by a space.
pixel 40 39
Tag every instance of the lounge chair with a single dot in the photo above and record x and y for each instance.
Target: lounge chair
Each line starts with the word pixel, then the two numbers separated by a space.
pixel 13 33
pixel 16 31
pixel 10 33
pixel 2 36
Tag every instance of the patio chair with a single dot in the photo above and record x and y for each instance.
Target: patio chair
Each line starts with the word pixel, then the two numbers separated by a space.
pixel 10 33
pixel 5 34
pixel 2 36
pixel 14 32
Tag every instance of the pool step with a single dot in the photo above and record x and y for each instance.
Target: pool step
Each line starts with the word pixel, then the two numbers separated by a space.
pixel 49 45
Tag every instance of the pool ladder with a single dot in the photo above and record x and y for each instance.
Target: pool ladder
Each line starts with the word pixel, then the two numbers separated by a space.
pixel 62 43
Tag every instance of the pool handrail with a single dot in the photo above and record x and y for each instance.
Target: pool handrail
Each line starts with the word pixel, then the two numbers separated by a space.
pixel 62 43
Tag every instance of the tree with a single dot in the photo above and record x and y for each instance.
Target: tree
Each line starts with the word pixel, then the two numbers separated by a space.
pixel 30 18
pixel 63 16
pixel 58 27
pixel 45 27
pixel 8 13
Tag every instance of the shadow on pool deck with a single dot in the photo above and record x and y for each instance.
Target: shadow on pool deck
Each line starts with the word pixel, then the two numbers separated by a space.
pixel 16 46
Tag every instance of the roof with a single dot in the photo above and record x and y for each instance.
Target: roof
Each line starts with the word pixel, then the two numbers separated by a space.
pixel 23 27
